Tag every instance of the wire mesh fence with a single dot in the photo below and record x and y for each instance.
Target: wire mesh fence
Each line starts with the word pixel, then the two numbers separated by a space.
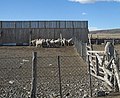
pixel 60 77
pixel 81 47
pixel 15 77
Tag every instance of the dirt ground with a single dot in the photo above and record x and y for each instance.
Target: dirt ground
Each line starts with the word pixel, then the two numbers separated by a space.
pixel 16 70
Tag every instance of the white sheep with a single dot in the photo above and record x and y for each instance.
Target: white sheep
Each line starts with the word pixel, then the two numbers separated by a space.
pixel 69 42
pixel 39 42
pixel 33 42
pixel 52 43
pixel 57 42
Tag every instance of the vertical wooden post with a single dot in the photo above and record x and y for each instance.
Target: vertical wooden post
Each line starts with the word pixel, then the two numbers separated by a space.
pixel 113 41
pixel 90 77
pixel 1 37
pixel 60 76
pixel 30 38
pixel 81 49
pixel 97 66
pixel 34 75
pixel 86 52
pixel 54 33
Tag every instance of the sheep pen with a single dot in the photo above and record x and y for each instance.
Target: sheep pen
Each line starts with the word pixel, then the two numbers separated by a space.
pixel 16 70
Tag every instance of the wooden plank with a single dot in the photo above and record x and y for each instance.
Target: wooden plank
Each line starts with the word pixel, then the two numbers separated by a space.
pixel 34 76
pixel 96 52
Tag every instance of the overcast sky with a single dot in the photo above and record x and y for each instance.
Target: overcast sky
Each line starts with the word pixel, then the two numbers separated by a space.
pixel 101 14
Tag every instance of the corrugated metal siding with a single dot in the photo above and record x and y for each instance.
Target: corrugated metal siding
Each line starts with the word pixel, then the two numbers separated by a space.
pixel 19 31
pixel 44 24
pixel 8 36
pixel 8 24
pixel 41 24
pixel 22 36
pixel 25 24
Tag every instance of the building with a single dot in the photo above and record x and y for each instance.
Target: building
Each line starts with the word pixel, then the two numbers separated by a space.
pixel 22 32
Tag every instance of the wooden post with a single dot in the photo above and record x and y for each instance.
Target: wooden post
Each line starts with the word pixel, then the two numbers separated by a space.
pixel 34 75
pixel 116 73
pixel 97 66
pixel 90 77
pixel 30 38
pixel 1 37
pixel 113 41
pixel 60 76
pixel 81 48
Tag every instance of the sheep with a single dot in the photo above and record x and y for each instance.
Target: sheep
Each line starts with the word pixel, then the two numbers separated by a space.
pixel 63 42
pixel 69 42
pixel 33 42
pixel 39 42
pixel 47 42
pixel 57 42
pixel 52 43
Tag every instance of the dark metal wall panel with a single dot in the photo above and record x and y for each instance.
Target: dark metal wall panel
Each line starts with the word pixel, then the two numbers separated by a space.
pixel 1 36
pixel 8 36
pixel 50 33
pixel 50 24
pixel 80 24
pixel 22 36
pixel 19 31
pixel 67 33
pixel 69 24
pixel 53 24
pixel 45 24
pixel 81 34
pixel 8 24
pixel 25 35
pixel 18 24
pixel 42 33
pixel 25 24
pixel 62 24
pixel 57 24
pixel 42 24
pixel 34 24
pixel 36 34
pixel 57 33
pixel 76 24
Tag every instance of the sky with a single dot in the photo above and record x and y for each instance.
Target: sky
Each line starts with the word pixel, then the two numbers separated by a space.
pixel 100 14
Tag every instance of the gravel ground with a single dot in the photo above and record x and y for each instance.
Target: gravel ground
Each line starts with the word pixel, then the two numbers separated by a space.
pixel 15 72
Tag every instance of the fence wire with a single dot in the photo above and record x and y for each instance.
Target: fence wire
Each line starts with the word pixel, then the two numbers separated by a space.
pixel 16 77
pixel 81 47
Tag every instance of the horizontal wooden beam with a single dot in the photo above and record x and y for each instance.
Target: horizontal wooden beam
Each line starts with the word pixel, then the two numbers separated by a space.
pixel 96 52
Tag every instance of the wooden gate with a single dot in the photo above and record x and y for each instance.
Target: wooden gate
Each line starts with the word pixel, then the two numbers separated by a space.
pixel 104 65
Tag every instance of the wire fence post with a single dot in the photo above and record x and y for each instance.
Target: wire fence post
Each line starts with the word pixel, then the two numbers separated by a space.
pixel 60 76
pixel 34 75
pixel 89 77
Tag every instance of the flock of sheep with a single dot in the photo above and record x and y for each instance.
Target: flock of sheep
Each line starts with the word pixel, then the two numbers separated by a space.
pixel 52 42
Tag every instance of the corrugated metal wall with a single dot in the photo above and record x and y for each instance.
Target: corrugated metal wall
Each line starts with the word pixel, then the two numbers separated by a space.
pixel 19 31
